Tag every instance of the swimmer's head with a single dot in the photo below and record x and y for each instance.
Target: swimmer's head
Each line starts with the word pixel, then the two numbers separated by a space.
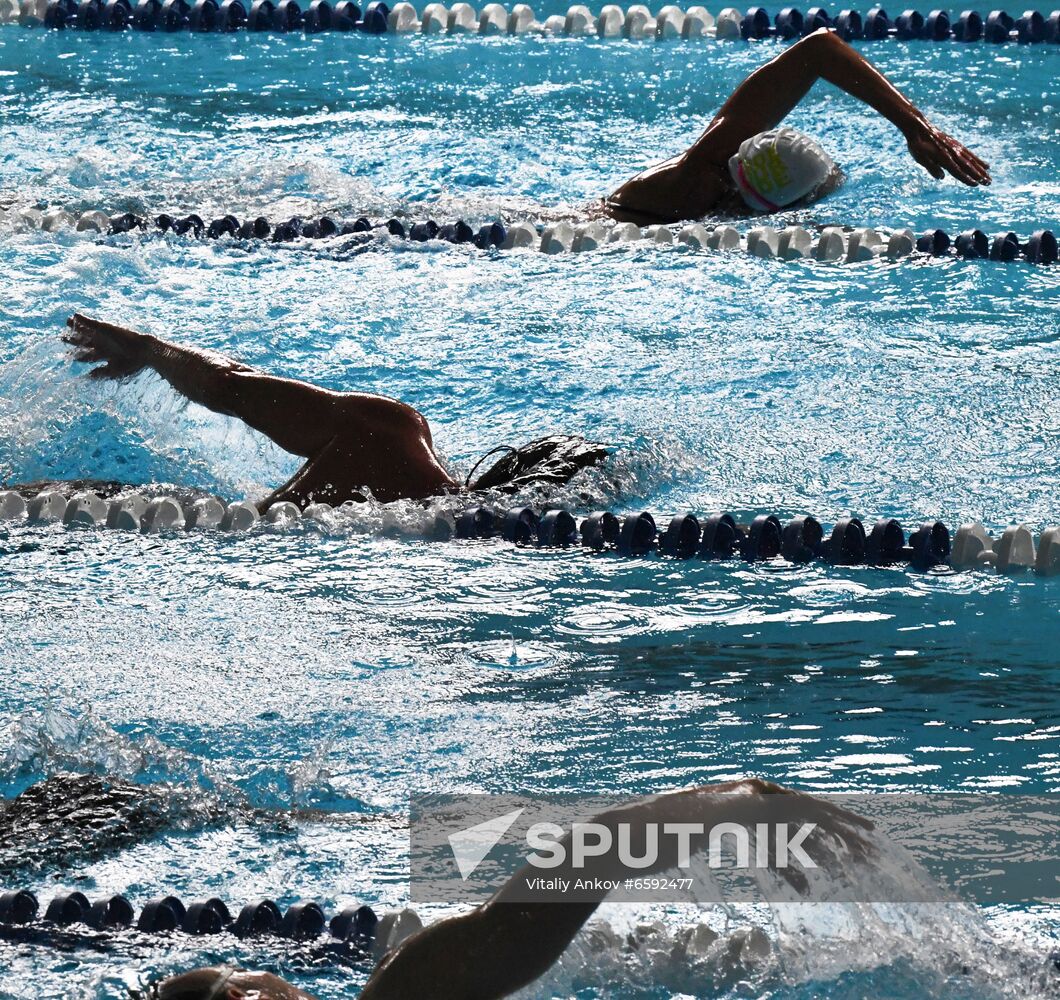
pixel 778 168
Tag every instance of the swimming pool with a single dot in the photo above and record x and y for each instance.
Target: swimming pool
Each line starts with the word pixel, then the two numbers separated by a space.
pixel 291 670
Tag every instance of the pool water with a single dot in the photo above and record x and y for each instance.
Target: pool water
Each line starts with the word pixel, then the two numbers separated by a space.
pixel 321 678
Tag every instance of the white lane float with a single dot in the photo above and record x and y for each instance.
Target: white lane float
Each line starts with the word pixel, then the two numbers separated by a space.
pixel 521 20
pixel 241 515
pixel 557 238
pixel 520 234
pixel 625 232
pixel 13 506
pixel 403 19
pixel 493 19
pixel 695 235
pixel 126 513
pixel 283 515
pixel 579 21
pixel 47 506
pixel 435 19
pixel 462 19
pixel 87 509
pixel 162 514
pixel 610 20
pixel 207 512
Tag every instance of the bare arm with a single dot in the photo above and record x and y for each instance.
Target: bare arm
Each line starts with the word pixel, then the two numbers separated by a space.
pixel 504 944
pixel 301 418
pixel 767 96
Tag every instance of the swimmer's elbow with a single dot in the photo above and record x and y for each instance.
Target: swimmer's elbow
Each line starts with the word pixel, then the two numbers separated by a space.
pixel 819 45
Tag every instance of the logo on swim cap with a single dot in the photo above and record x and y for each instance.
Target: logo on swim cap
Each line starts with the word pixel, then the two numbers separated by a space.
pixel 777 168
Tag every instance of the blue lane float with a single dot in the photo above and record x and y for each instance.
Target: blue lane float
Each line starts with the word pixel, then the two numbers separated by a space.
pixel 354 928
pixel 635 22
pixel 765 539
pixel 831 244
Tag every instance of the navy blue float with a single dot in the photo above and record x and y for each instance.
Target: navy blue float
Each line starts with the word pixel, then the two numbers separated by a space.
pixel 351 931
pixel 68 908
pixel 115 911
pixel 637 536
pixel 682 536
pixel 850 26
pixel 717 536
pixel 885 543
pixel 209 917
pixel 801 539
pixel 18 907
pixel 161 915
pixel 356 924
pixel 302 922
pixel 557 529
pixel 600 531
pixel 519 525
pixel 256 919
pixel 846 545
pixel 929 545
pixel 969 27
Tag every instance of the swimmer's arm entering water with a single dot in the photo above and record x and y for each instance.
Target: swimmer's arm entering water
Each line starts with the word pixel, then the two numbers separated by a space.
pixel 504 944
pixel 299 417
pixel 353 440
pixel 689 185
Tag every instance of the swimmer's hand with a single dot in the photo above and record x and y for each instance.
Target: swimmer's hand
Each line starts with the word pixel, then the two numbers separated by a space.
pixel 123 352
pixel 940 154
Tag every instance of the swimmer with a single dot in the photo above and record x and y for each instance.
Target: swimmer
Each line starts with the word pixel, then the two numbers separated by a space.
pixel 743 161
pixel 352 441
pixel 505 944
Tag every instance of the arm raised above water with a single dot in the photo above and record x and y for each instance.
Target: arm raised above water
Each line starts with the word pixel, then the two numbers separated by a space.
pixel 771 92
pixel 301 418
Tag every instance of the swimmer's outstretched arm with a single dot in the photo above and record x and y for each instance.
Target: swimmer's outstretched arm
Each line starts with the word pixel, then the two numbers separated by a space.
pixel 766 97
pixel 503 945
pixel 301 418
pixel 690 185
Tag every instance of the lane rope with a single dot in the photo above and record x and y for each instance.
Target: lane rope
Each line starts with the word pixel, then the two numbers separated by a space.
pixel 832 244
pixel 635 22
pixel 349 935
pixel 851 542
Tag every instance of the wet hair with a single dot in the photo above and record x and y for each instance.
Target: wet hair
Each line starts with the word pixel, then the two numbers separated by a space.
pixel 548 461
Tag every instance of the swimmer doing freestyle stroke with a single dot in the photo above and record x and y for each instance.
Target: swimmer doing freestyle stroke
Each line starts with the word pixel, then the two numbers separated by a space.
pixel 505 944
pixel 352 441
pixel 744 161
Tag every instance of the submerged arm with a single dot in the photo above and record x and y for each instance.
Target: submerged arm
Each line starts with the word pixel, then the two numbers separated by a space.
pixel 301 418
pixel 766 97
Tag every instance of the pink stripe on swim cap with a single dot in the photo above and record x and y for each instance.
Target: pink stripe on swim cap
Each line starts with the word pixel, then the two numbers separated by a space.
pixel 750 189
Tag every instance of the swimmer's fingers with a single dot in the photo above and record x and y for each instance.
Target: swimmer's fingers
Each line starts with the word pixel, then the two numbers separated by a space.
pixel 940 154
pixel 114 370
pixel 94 341
pixel 961 163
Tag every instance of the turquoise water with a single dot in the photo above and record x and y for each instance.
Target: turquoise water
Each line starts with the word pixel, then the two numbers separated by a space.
pixel 278 671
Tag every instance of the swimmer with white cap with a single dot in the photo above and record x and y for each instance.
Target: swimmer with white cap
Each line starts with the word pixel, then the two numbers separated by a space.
pixel 506 943
pixel 745 161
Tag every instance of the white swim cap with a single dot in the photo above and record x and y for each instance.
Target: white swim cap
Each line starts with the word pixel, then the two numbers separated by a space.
pixel 778 167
